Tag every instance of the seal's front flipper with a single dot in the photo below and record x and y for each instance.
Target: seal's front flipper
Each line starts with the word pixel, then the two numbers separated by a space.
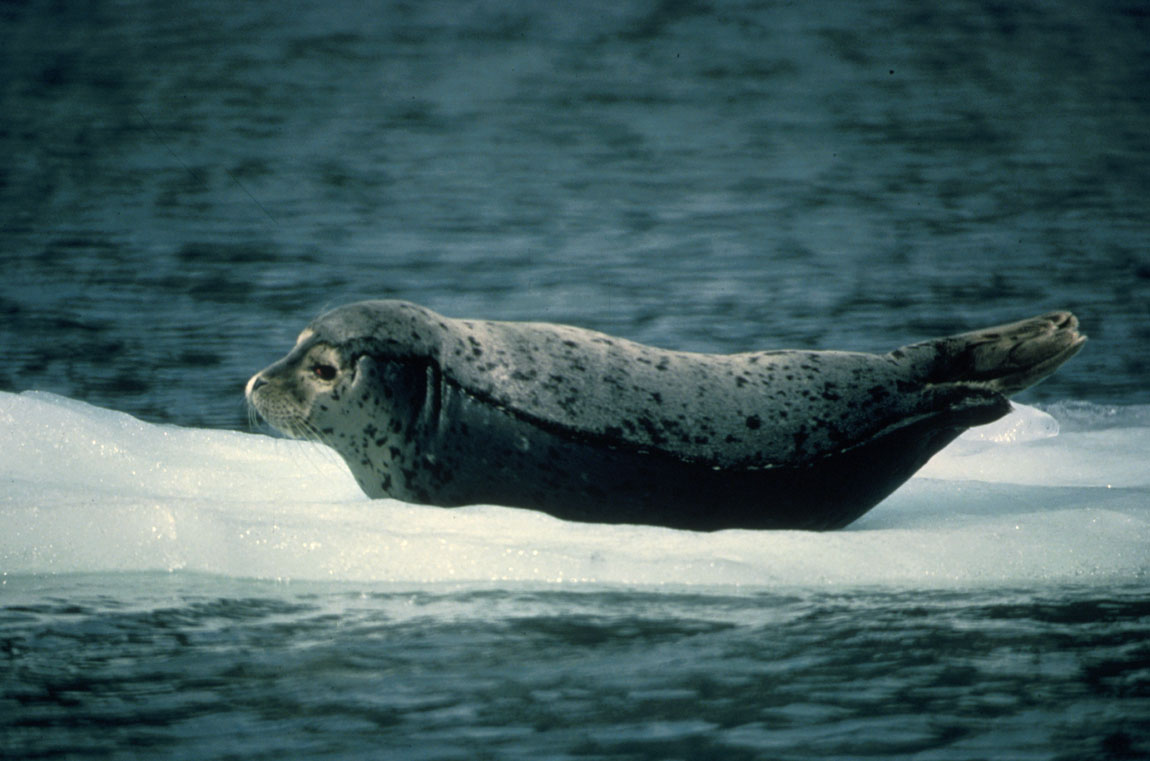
pixel 1005 358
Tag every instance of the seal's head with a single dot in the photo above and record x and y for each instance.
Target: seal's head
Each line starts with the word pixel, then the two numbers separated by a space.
pixel 356 380
pixel 338 360
pixel 290 393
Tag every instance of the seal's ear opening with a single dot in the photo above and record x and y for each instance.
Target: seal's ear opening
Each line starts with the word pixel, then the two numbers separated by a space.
pixel 362 367
pixel 366 356
pixel 354 366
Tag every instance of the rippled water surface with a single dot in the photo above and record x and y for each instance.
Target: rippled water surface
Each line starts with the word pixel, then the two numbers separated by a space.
pixel 523 673
pixel 182 187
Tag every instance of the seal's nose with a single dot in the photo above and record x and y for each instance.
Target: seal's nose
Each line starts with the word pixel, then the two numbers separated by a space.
pixel 255 382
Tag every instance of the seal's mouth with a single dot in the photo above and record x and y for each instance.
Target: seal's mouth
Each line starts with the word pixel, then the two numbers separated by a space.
pixel 284 421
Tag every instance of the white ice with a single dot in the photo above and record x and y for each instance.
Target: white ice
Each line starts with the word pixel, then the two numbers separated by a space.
pixel 84 489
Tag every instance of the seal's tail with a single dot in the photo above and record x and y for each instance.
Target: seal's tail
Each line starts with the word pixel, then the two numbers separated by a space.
pixel 1005 358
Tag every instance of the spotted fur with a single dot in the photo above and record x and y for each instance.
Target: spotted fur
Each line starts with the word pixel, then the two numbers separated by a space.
pixel 588 426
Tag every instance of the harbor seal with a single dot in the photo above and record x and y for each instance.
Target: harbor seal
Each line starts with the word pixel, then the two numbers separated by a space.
pixel 589 427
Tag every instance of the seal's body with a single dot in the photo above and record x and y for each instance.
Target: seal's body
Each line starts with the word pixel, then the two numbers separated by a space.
pixel 589 427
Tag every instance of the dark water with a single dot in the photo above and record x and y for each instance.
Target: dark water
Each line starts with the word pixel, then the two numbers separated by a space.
pixel 507 673
pixel 183 186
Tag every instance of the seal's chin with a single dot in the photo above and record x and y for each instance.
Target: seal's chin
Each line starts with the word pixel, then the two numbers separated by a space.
pixel 286 421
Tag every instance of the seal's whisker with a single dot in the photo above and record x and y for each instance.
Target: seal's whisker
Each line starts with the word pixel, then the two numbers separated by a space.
pixel 254 422
pixel 305 431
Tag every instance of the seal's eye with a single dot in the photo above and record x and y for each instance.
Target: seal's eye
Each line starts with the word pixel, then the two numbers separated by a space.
pixel 324 372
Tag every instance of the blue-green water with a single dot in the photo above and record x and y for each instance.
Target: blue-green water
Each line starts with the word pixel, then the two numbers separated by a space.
pixel 182 187
pixel 195 668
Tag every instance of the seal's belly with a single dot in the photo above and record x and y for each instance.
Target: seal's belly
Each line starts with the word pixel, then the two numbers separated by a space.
pixel 474 452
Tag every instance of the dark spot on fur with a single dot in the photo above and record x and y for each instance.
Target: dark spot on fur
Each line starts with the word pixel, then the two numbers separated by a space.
pixel 652 430
pixel 754 422
pixel 878 392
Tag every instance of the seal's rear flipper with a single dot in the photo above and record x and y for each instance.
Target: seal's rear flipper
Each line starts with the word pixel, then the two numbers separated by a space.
pixel 1005 358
